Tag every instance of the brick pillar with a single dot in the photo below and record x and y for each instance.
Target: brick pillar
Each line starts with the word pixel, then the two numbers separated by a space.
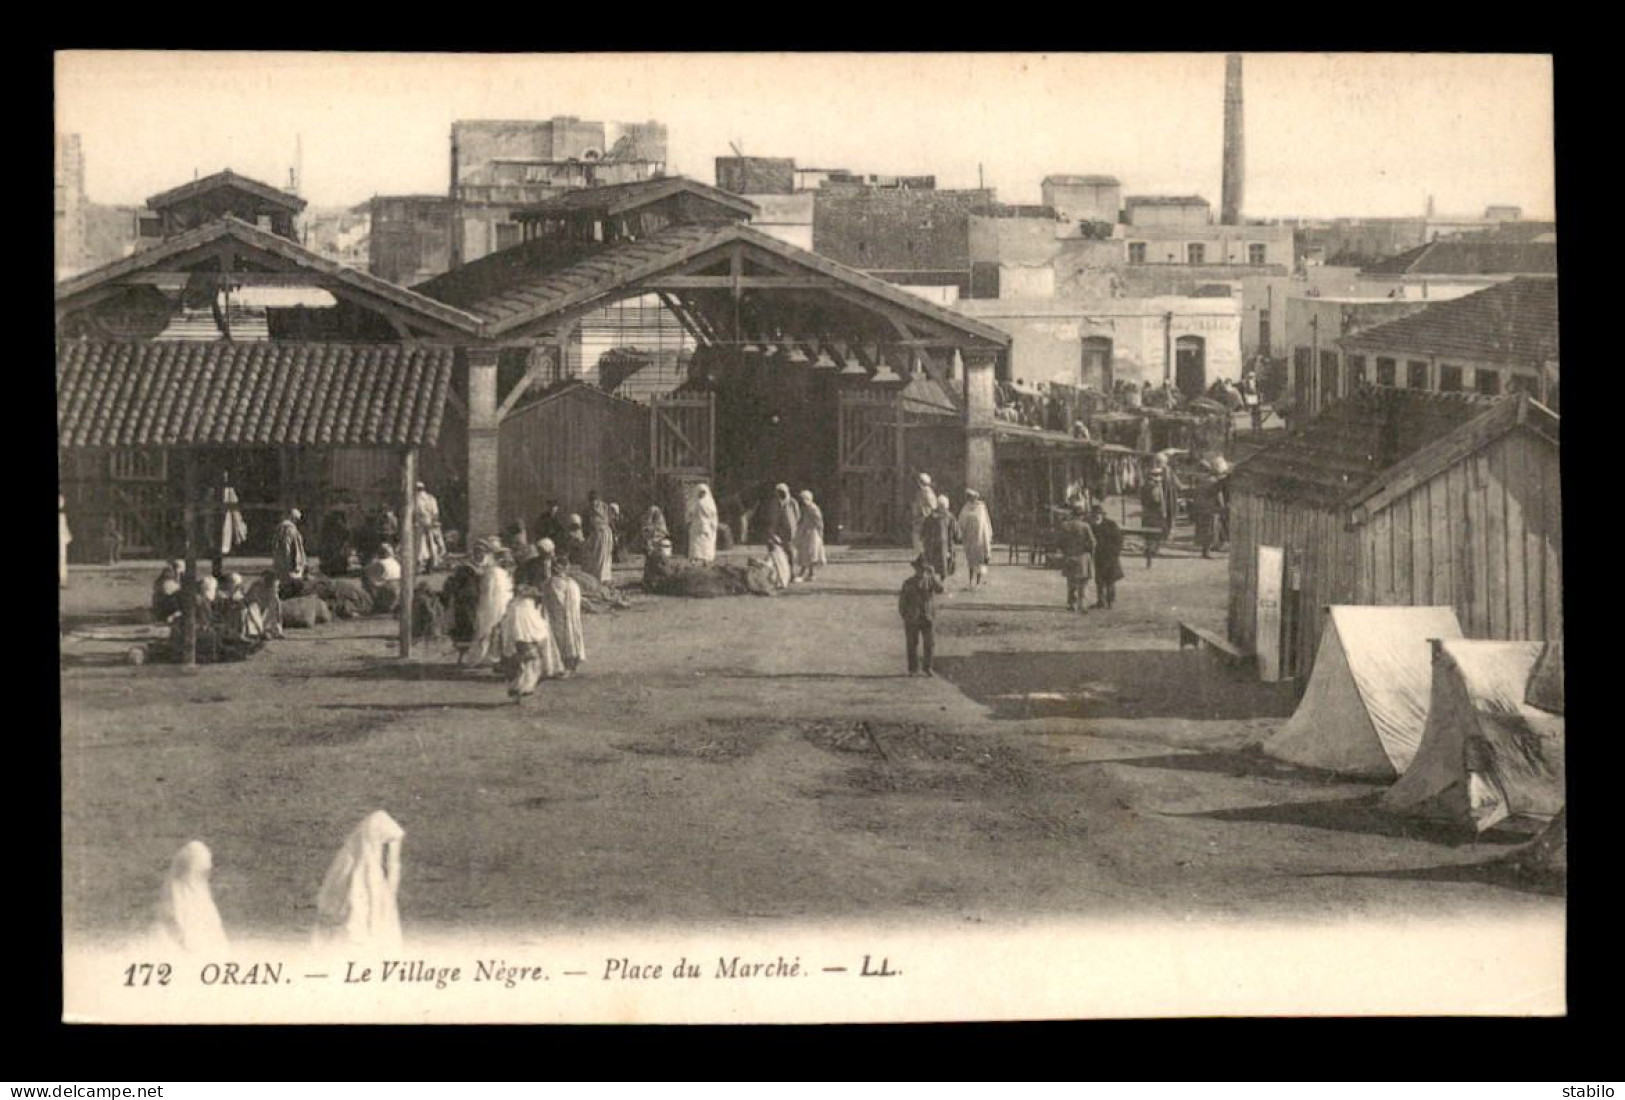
pixel 483 515
pixel 980 465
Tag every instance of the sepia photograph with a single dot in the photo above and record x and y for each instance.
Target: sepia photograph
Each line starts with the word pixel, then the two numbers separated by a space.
pixel 792 537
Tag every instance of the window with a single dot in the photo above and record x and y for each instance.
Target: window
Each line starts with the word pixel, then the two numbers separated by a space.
pixel 1256 254
pixel 1302 361
pixel 1449 379
pixel 1136 252
pixel 1416 374
pixel 1196 253
pixel 1356 371
pixel 1488 381
pixel 1386 372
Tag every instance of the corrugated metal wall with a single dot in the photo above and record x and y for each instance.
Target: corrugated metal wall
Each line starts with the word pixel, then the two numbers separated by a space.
pixel 1484 536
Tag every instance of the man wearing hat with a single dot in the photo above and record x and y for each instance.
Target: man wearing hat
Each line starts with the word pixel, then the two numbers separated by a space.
pixel 1077 558
pixel 1108 556
pixel 917 605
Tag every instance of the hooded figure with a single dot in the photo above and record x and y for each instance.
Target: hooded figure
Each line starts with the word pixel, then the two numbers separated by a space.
pixel 809 540
pixel 431 539
pixel 925 502
pixel 573 550
pixel 527 642
pixel 702 526
pixel 976 529
pixel 654 528
pixel 561 600
pixel 187 918
pixel 599 554
pixel 356 906
pixel 288 549
pixel 496 590
pixel 939 532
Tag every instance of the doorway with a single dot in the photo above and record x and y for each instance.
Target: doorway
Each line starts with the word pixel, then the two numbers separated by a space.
pixel 1190 365
pixel 1097 363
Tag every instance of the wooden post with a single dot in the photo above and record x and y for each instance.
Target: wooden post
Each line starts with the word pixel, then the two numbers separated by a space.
pixel 217 550
pixel 189 585
pixel 408 548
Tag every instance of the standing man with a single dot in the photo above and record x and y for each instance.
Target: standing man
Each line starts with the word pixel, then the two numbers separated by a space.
pixel 786 517
pixel 917 605
pixel 1077 558
pixel 939 532
pixel 431 548
pixel 702 526
pixel 925 502
pixel 1251 400
pixel 288 549
pixel 1108 556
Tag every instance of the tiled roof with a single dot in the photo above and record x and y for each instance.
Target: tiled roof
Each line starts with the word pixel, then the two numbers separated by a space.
pixel 1471 256
pixel 1332 458
pixel 527 283
pixel 176 250
pixel 152 394
pixel 226 178
pixel 1511 322
pixel 617 198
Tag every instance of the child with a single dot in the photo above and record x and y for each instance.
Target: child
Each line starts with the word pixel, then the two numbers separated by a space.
pixel 918 609
pixel 527 643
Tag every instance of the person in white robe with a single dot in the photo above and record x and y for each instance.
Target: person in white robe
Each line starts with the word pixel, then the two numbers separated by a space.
pixel 431 540
pixel 925 502
pixel 496 590
pixel 809 538
pixel 527 643
pixel 702 525
pixel 561 599
pixel 233 527
pixel 358 904
pixel 976 528
pixel 187 918
pixel 779 559
pixel 63 537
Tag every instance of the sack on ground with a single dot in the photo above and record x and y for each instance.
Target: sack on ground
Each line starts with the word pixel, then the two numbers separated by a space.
pixel 305 611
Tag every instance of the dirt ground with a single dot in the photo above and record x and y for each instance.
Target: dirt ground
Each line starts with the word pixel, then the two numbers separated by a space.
pixel 744 758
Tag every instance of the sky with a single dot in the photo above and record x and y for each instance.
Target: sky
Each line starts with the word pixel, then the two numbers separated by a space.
pixel 1326 134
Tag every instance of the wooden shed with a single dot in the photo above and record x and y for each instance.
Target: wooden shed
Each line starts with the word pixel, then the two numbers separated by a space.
pixel 574 438
pixel 1399 497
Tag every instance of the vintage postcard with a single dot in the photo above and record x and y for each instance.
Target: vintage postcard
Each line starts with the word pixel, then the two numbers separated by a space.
pixel 804 538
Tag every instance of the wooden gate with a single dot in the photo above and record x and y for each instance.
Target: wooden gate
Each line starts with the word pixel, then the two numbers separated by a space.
pixel 138 500
pixel 682 447
pixel 869 458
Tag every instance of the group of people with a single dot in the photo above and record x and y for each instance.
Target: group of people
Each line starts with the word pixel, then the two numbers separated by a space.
pixel 795 536
pixel 936 532
pixel 356 905
pixel 519 609
pixel 232 617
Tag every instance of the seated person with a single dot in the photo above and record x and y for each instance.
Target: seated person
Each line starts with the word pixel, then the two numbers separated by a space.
pixel 264 607
pixel 166 592
pixel 382 579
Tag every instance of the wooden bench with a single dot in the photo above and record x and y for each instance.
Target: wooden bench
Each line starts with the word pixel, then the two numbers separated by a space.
pixel 1195 636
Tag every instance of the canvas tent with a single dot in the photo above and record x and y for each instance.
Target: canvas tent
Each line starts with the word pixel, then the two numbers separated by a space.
pixel 1548 854
pixel 1367 700
pixel 1485 754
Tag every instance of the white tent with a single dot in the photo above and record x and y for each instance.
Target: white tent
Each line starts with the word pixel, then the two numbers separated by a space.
pixel 1486 754
pixel 1367 700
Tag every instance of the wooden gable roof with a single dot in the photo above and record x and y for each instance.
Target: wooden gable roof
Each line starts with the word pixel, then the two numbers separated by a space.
pixel 168 256
pixel 226 179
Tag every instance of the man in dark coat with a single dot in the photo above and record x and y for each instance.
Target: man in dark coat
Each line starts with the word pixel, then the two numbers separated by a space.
pixel 917 606
pixel 1077 558
pixel 938 534
pixel 1108 556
